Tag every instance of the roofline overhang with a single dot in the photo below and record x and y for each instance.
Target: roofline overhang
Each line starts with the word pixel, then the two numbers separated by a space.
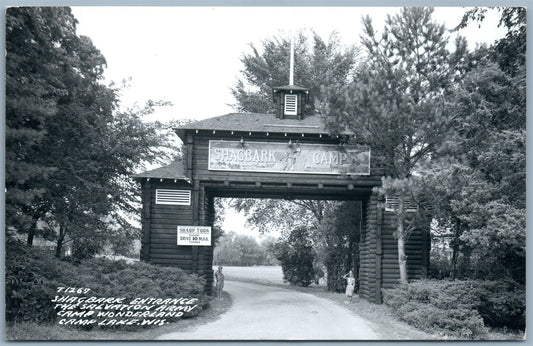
pixel 148 178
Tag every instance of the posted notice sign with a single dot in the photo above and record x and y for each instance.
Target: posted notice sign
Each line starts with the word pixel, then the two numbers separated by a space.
pixel 194 235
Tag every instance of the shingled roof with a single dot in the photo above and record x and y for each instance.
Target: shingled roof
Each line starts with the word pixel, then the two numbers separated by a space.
pixel 175 170
pixel 291 87
pixel 257 122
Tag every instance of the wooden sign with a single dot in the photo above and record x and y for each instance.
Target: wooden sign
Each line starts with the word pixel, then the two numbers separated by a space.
pixel 288 157
pixel 194 235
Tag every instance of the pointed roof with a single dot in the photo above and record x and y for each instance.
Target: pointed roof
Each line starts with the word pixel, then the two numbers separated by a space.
pixel 257 122
pixel 175 170
pixel 291 87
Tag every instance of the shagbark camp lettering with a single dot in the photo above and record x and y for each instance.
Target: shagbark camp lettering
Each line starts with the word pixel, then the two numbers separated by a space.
pixel 288 157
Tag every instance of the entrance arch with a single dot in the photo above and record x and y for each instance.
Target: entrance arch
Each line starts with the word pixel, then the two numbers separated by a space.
pixel 268 156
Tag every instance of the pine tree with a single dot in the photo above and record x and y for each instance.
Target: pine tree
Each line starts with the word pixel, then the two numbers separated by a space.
pixel 397 104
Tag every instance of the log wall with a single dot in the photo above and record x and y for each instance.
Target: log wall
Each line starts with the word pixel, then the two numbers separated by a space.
pixel 159 225
pixel 379 252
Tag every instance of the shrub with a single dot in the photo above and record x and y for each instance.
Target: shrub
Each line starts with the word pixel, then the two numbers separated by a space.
pixel 459 322
pixel 503 303
pixel 297 257
pixel 458 308
pixel 32 278
pixel 337 268
pixel 29 283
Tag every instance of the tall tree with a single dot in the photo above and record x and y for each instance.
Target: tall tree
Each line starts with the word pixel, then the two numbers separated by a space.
pixel 33 88
pixel 317 63
pixel 69 153
pixel 509 52
pixel 396 103
pixel 483 166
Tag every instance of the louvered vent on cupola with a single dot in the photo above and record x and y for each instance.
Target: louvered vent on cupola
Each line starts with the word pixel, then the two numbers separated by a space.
pixel 172 197
pixel 392 203
pixel 291 104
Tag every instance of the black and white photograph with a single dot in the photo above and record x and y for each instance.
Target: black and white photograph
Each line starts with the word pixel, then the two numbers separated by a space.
pixel 265 173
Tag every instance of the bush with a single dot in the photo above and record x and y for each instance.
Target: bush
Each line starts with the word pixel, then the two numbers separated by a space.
pixel 503 303
pixel 337 268
pixel 32 278
pixel 458 308
pixel 29 283
pixel 297 257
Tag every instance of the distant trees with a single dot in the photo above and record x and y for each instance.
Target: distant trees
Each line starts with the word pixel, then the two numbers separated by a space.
pixel 69 152
pixel 242 250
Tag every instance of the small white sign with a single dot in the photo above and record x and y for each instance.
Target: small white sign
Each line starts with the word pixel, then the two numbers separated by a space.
pixel 194 235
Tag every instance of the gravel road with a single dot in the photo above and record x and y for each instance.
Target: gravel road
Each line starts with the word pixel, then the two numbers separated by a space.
pixel 262 312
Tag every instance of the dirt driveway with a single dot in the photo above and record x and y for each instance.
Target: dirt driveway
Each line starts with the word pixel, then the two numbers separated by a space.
pixel 261 312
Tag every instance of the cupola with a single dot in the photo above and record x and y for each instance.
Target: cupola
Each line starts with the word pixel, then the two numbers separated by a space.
pixel 291 99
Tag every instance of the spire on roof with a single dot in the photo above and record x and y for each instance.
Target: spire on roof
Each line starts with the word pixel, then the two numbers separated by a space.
pixel 291 98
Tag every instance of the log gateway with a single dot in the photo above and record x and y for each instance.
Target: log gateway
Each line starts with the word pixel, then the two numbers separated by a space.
pixel 284 155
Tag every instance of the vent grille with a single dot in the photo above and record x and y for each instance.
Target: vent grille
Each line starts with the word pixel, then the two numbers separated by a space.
pixel 291 104
pixel 173 197
pixel 392 203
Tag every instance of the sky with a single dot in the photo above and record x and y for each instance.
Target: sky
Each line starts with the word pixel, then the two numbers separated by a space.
pixel 182 54
pixel 190 56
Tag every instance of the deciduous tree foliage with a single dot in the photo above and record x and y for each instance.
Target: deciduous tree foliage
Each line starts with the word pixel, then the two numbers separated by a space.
pixel 69 152
pixel 268 215
pixel 480 173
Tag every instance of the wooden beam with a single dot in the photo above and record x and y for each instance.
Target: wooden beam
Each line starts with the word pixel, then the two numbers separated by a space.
pixel 379 249
pixel 188 154
pixel 146 220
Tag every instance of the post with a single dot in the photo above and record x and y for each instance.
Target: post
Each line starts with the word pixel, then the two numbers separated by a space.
pixel 146 220
pixel 379 249
pixel 291 65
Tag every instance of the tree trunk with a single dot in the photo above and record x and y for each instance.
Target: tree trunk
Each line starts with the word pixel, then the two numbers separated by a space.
pixel 60 239
pixel 31 231
pixel 29 240
pixel 455 248
pixel 402 258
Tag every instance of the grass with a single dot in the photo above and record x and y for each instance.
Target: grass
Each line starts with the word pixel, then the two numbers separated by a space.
pixel 33 331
